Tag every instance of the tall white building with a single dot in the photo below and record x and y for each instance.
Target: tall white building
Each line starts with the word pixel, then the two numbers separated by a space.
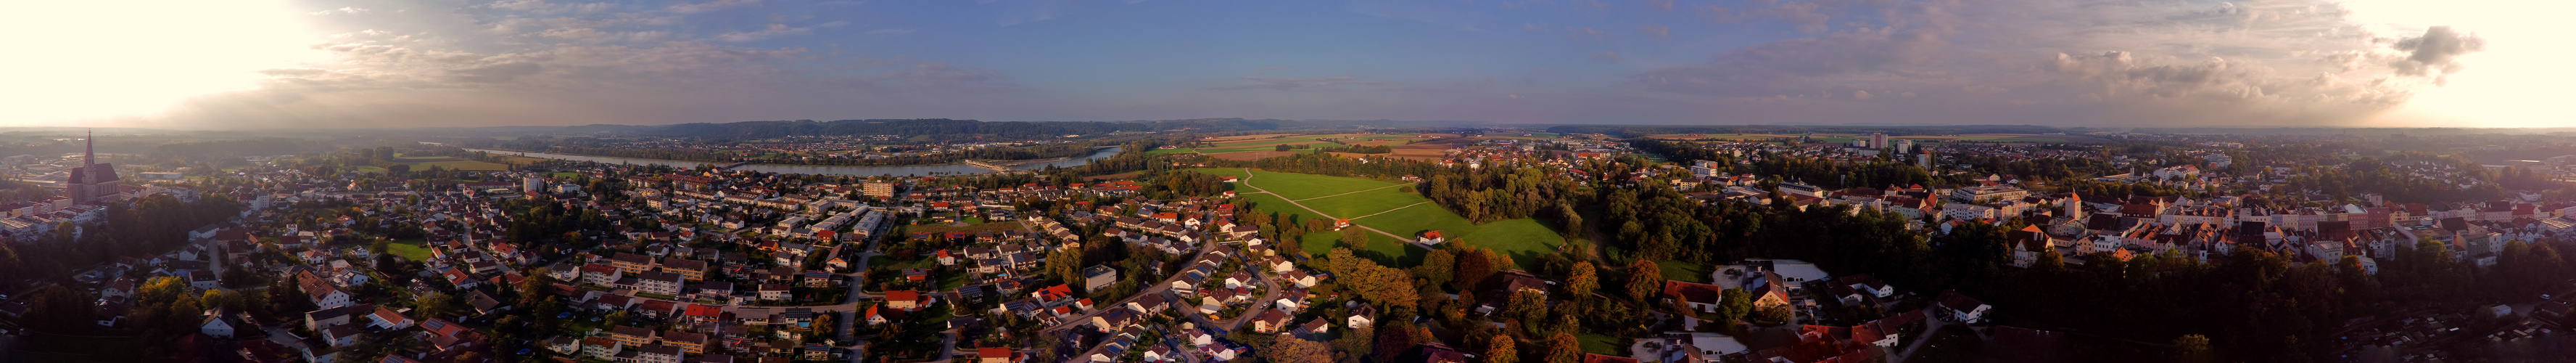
pixel 532 185
pixel 1878 140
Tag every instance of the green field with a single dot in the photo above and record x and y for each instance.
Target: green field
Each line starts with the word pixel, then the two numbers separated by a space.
pixel 1379 205
pixel 1264 145
pixel 410 249
pixel 1683 271
pixel 1602 344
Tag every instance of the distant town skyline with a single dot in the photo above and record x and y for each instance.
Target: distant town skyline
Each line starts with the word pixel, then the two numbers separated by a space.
pixel 385 63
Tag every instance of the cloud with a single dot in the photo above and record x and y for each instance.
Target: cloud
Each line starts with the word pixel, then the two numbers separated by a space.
pixel 2432 53
pixel 773 31
pixel 2291 62
pixel 692 8
pixel 1660 5
pixel 1606 56
pixel 891 31
pixel 1656 31
pixel 1300 83
pixel 343 10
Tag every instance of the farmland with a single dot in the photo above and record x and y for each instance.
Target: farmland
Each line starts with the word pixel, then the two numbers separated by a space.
pixel 1386 207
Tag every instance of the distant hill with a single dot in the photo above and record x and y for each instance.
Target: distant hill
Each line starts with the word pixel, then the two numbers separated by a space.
pixel 941 126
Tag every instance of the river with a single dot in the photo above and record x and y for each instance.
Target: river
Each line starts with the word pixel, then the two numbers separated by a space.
pixel 941 169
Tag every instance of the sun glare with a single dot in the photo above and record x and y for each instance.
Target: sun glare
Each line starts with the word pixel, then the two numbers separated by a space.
pixel 2515 82
pixel 79 62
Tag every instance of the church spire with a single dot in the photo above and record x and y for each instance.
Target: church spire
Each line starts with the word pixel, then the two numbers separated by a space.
pixel 89 153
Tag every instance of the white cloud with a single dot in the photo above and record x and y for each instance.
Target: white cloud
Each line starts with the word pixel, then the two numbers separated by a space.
pixel 773 31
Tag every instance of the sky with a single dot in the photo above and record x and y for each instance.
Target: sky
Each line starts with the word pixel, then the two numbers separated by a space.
pixel 272 64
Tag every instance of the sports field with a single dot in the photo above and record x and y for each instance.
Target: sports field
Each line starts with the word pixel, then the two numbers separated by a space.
pixel 1386 207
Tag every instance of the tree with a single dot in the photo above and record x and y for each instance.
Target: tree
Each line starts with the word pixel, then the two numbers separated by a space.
pixel 1356 237
pixel 1293 350
pixel 1437 266
pixel 439 304
pixel 1562 348
pixel 1733 304
pixel 1065 265
pixel 1644 279
pixel 1281 147
pixel 1397 336
pixel 221 299
pixel 1581 282
pixel 1529 307
pixel 1473 267
pixel 2192 348
pixel 1356 341
pixel 1500 350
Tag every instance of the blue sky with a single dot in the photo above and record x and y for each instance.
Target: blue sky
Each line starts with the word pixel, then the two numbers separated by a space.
pixel 541 62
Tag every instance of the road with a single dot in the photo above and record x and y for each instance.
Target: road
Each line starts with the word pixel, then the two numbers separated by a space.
pixel 1931 327
pixel 1158 288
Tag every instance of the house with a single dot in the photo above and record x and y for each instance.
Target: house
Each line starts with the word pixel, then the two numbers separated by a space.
pixel 387 319
pixel 658 353
pixel 340 335
pixel 906 300
pixel 997 355
pixel 1702 297
pixel 774 292
pixel 217 324
pixel 1098 277
pixel 1431 238
pixel 1270 321
pixel 325 318
pixel 1362 316
pixel 1956 307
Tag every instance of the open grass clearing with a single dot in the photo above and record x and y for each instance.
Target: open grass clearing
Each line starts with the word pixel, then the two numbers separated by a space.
pixel 1684 271
pixel 1390 210
pixel 415 249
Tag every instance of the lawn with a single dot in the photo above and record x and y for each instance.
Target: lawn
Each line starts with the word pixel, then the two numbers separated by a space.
pixel 1683 271
pixel 1403 214
pixel 1602 344
pixel 410 249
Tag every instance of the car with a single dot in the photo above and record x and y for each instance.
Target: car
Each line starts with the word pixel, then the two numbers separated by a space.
pixel 563 315
pixel 594 318
pixel 525 351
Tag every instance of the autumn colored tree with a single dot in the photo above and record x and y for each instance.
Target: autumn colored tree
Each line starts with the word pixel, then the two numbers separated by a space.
pixel 1581 282
pixel 1500 350
pixel 1473 267
pixel 1293 350
pixel 1644 279
pixel 1562 348
pixel 1395 337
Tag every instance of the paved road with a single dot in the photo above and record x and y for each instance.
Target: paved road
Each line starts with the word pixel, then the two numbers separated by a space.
pixel 1931 327
pixel 1204 246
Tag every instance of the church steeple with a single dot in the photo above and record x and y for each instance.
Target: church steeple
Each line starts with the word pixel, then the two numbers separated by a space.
pixel 89 152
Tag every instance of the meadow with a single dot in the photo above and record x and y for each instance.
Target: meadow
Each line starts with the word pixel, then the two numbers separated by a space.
pixel 1386 207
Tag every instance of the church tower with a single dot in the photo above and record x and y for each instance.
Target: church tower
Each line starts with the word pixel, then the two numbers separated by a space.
pixel 91 181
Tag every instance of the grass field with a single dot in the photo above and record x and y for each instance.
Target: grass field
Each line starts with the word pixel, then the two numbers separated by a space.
pixel 1383 206
pixel 1602 344
pixel 1683 271
pixel 410 249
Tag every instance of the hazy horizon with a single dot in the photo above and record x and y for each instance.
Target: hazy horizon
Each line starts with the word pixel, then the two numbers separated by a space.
pixel 297 64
